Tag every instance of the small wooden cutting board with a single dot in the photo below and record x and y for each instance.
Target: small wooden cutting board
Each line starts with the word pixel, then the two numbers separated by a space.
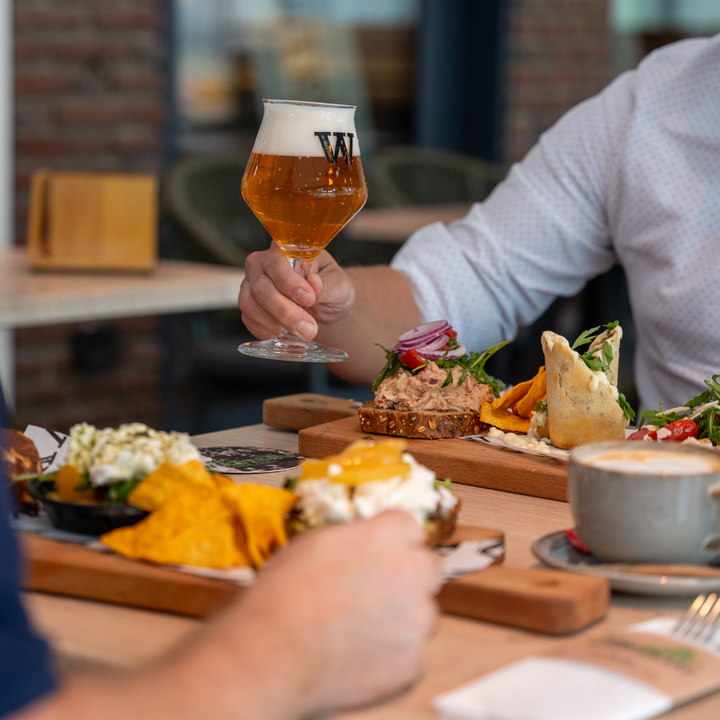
pixel 295 412
pixel 547 601
pixel 464 461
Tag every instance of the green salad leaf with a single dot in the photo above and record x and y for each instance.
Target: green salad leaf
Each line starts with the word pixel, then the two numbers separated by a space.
pixel 472 364
pixel 601 361
pixel 117 493
pixel 708 419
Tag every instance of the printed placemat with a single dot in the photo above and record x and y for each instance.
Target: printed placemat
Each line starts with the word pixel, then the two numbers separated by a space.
pixel 233 460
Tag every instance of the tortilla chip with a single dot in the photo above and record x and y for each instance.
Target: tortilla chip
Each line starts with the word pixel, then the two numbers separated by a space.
pixel 67 482
pixel 222 481
pixel 167 480
pixel 194 526
pixel 261 510
pixel 513 395
pixel 502 418
pixel 537 392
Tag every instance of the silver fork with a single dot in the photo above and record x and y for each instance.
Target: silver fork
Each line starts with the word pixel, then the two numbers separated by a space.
pixel 700 620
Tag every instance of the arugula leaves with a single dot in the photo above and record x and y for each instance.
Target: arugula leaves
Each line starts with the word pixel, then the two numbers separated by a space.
pixel 392 366
pixel 118 492
pixel 708 421
pixel 600 361
pixel 588 336
pixel 625 407
pixel 594 360
pixel 472 364
pixel 33 476
pixel 541 406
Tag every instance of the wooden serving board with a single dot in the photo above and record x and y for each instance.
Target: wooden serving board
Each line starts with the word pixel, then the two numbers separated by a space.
pixel 464 461
pixel 64 568
pixel 548 601
pixel 295 412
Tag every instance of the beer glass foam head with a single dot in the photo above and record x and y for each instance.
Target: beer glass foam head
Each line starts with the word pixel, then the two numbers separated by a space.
pixel 289 128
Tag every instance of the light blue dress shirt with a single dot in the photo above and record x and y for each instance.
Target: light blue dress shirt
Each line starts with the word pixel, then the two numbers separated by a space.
pixel 630 176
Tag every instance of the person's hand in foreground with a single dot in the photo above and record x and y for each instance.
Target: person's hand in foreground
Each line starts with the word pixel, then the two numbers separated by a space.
pixel 336 619
pixel 349 309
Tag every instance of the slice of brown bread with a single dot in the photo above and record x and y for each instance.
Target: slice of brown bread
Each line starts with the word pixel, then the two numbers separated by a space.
pixel 418 424
pixel 440 526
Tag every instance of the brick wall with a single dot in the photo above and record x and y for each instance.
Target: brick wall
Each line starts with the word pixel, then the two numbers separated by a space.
pixel 53 393
pixel 90 95
pixel 559 55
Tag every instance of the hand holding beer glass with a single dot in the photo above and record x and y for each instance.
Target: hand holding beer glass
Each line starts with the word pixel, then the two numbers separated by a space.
pixel 304 181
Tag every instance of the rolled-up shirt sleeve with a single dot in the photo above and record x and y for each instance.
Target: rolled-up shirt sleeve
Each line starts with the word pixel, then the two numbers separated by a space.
pixel 541 234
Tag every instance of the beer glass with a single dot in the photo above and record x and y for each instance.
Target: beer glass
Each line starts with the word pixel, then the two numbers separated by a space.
pixel 304 181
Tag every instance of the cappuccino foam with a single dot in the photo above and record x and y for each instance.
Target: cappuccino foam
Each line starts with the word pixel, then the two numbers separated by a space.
pixel 650 463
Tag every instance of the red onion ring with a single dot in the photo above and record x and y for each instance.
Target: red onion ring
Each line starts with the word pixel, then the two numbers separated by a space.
pixel 422 334
pixel 434 344
pixel 453 354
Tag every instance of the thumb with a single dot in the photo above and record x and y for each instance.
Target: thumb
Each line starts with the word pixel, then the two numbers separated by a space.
pixel 316 283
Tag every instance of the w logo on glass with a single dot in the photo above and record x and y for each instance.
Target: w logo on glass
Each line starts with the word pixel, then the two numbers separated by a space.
pixel 340 146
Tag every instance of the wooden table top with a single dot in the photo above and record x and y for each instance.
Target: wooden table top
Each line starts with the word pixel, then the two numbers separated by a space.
pixel 397 224
pixel 89 634
pixel 44 298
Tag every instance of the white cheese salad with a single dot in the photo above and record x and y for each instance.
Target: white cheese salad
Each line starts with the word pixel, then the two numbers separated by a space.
pixel 125 454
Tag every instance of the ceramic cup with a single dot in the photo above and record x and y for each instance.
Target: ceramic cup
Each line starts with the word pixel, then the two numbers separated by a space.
pixel 647 502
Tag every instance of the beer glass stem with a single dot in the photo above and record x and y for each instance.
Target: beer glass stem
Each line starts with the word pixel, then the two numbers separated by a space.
pixel 302 267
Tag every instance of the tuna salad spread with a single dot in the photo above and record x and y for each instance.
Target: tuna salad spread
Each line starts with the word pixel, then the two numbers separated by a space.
pixel 427 390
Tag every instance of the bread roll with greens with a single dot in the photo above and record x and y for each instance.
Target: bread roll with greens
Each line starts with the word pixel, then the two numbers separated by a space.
pixel 583 402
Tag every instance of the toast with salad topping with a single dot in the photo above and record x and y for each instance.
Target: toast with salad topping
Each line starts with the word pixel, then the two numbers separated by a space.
pixel 430 387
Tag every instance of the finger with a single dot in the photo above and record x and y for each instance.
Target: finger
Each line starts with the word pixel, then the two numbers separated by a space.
pixel 264 293
pixel 274 265
pixel 335 293
pixel 316 283
pixel 398 526
pixel 256 319
pixel 288 282
pixel 261 331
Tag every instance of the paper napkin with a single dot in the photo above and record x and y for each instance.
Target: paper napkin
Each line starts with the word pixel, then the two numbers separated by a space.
pixel 631 675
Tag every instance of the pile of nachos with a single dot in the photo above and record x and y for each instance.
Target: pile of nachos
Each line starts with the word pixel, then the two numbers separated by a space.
pixel 204 519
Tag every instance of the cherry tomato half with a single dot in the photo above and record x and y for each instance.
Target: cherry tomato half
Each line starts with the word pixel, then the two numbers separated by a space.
pixel 679 430
pixel 412 359
pixel 576 542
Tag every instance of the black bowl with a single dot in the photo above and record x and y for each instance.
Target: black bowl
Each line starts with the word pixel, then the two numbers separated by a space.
pixel 80 518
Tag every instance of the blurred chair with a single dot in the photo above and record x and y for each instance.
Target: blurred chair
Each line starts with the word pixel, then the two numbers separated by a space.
pixel 427 176
pixel 212 221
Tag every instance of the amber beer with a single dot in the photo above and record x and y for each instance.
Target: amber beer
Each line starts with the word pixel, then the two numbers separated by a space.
pixel 305 177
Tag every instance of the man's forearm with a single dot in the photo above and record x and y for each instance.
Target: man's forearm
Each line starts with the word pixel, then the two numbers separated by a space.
pixel 207 681
pixel 384 308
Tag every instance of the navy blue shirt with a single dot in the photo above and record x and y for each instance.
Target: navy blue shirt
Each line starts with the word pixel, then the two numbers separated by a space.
pixel 24 660
pixel 4 418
